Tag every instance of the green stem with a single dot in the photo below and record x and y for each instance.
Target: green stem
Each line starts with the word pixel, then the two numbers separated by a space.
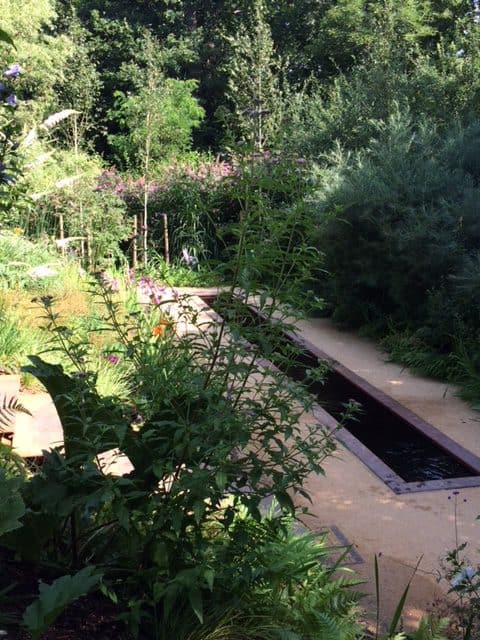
pixel 74 539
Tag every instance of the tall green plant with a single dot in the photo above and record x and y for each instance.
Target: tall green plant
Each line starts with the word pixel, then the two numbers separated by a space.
pixel 157 121
pixel 254 87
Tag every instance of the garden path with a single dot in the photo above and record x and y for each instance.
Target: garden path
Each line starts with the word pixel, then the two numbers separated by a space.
pixel 402 528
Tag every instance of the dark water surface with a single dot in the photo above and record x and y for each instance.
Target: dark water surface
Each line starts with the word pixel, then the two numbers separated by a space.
pixel 410 454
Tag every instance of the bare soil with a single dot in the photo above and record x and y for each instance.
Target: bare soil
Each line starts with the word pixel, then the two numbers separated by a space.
pixel 93 617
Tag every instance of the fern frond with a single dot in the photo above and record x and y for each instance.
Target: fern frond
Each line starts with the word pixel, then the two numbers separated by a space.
pixel 56 118
pixel 8 408
pixel 431 628
pixel 6 369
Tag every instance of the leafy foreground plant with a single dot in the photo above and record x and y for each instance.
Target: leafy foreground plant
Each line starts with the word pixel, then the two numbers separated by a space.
pixel 194 430
pixel 429 628
pixel 208 432
pixel 463 578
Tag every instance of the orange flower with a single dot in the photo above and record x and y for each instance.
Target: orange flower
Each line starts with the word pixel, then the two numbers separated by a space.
pixel 160 328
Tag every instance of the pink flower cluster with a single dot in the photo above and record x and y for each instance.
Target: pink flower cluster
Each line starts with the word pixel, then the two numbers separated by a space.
pixel 207 171
pixel 206 174
pixel 149 290
pixel 108 282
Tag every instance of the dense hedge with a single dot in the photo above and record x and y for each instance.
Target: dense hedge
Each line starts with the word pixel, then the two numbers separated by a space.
pixel 401 236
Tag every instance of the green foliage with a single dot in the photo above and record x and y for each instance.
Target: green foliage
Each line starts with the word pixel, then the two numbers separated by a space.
pixel 181 275
pixel 63 185
pixel 54 599
pixel 25 264
pixel 12 196
pixel 6 37
pixel 156 121
pixel 80 87
pixel 431 629
pixel 463 580
pixel 179 533
pixel 406 347
pixel 12 508
pixel 400 237
pixel 166 114
pixel 16 341
pixel 254 84
pixel 368 90
pixel 407 63
pixel 40 51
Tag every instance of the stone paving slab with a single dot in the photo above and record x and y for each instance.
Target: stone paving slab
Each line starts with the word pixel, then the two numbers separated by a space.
pixel 42 430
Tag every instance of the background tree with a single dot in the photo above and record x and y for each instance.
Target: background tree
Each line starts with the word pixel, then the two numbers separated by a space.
pixel 156 124
pixel 254 81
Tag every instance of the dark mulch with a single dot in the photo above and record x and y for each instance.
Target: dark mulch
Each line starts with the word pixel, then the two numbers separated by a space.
pixel 90 618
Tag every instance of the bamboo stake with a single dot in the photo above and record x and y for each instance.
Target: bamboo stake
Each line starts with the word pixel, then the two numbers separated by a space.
pixel 62 233
pixel 80 203
pixel 146 176
pixel 135 240
pixel 89 249
pixel 166 241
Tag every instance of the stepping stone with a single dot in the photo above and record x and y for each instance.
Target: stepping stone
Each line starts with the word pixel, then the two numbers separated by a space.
pixel 42 430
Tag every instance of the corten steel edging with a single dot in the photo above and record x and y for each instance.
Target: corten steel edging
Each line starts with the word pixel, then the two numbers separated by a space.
pixel 440 439
pixel 395 482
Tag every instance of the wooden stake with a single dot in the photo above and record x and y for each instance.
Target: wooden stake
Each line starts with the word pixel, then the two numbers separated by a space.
pixel 166 242
pixel 89 249
pixel 135 240
pixel 62 233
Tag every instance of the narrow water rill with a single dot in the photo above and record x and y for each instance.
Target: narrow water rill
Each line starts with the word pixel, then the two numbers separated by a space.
pixel 413 456
pixel 406 452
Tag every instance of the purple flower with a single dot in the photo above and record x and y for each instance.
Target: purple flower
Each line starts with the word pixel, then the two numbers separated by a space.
pixel 112 358
pixel 11 100
pixel 136 417
pixel 188 258
pixel 47 301
pixel 464 576
pixel 111 284
pixel 14 71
